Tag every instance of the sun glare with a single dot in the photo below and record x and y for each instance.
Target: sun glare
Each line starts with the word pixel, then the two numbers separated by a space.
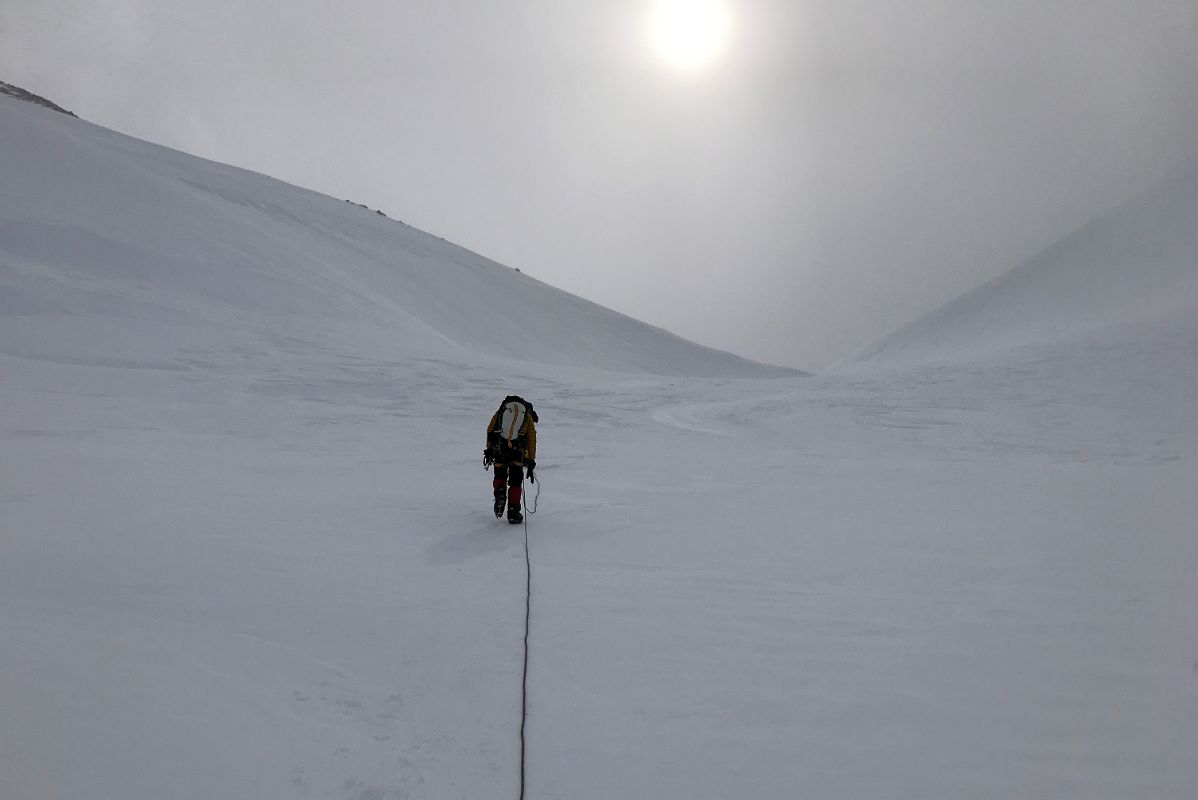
pixel 689 35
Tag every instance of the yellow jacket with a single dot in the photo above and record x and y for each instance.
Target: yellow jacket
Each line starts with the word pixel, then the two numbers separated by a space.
pixel 528 431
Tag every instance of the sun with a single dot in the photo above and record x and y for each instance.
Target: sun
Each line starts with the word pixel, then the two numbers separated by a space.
pixel 689 35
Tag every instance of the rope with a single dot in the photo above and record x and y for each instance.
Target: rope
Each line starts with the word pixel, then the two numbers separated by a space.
pixel 533 508
pixel 527 624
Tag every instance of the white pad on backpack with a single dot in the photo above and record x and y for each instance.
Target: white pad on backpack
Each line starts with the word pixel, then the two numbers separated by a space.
pixel 511 422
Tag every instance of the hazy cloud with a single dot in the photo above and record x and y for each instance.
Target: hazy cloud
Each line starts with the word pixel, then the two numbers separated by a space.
pixel 850 165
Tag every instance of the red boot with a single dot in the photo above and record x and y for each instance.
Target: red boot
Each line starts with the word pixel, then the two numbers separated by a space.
pixel 513 505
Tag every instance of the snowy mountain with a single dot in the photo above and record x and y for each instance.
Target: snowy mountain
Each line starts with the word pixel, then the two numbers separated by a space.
pixel 247 547
pixel 95 224
pixel 1136 267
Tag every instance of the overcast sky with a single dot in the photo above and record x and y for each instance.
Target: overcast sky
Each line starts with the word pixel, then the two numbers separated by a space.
pixel 841 168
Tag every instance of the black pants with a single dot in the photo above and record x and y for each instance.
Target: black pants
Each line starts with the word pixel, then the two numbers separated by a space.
pixel 509 473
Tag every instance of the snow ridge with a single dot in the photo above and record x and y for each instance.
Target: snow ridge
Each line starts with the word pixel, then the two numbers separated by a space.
pixel 30 97
pixel 1135 266
pixel 98 225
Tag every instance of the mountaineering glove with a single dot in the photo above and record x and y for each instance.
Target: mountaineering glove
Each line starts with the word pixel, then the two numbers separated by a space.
pixel 488 457
pixel 532 464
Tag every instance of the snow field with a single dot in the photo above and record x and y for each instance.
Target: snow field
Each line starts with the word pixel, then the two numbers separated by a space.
pixel 246 547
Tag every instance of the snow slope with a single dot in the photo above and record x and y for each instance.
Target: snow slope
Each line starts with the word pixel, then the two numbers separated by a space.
pixel 1135 267
pixel 246 549
pixel 99 225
